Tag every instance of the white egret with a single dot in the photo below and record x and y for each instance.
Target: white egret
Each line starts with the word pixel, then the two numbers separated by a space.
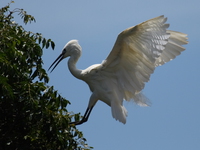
pixel 122 75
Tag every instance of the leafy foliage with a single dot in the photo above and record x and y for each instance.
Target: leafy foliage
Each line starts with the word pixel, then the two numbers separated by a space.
pixel 33 115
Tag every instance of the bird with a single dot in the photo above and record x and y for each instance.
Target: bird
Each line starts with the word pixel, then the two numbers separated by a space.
pixel 138 50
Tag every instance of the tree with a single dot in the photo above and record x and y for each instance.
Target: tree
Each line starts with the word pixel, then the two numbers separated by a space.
pixel 32 114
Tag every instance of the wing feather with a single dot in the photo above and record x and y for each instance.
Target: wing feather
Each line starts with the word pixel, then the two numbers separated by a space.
pixel 173 47
pixel 136 53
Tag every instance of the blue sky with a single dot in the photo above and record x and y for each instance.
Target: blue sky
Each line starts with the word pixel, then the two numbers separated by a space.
pixel 173 120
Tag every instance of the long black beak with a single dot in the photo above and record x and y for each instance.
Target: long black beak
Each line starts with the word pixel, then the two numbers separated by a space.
pixel 58 60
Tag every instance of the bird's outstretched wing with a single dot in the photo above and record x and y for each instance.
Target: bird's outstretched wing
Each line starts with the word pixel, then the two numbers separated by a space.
pixel 136 53
pixel 173 47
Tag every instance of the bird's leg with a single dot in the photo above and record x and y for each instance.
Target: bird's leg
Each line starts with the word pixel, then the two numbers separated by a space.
pixel 85 117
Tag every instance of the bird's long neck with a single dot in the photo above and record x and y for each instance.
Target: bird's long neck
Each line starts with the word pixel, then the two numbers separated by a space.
pixel 72 66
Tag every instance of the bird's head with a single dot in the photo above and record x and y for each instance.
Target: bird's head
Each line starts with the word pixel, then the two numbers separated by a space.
pixel 72 48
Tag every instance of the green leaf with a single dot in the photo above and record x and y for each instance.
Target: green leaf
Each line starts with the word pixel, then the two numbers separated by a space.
pixel 47 43
pixel 52 45
pixel 39 39
pixel 43 42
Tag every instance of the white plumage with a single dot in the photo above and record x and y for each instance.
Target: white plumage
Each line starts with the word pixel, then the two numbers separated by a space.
pixel 122 75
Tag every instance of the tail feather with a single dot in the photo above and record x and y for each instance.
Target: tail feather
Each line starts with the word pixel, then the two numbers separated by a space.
pixel 141 99
pixel 119 112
